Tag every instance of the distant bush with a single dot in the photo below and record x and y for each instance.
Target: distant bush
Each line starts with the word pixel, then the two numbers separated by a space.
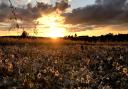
pixel 24 34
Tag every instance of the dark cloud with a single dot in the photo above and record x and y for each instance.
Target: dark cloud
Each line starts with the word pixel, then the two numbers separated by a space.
pixel 81 28
pixel 24 14
pixel 62 5
pixel 102 12
pixel 29 13
pixel 4 11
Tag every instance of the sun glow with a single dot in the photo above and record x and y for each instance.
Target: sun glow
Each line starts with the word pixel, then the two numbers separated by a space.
pixel 53 24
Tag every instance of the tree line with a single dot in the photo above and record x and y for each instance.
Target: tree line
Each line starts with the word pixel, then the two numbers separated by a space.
pixel 102 38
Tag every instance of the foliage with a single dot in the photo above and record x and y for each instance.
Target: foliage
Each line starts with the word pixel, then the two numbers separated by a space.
pixel 53 67
pixel 24 34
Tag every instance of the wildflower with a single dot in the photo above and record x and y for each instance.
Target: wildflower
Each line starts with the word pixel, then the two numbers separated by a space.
pixel 114 64
pixel 107 87
pixel 125 70
pixel 14 88
pixel 12 56
pixel 39 75
pixel 10 66
pixel 56 73
pixel 55 62
pixel 82 79
pixel 31 85
pixel 88 78
pixel 44 71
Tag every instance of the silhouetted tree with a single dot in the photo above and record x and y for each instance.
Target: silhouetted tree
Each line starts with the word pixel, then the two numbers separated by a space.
pixel 24 34
pixel 102 38
pixel 75 35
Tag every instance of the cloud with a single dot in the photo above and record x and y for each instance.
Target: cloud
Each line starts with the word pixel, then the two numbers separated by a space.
pixel 62 5
pixel 25 13
pixel 102 12
pixel 44 1
pixel 29 13
pixel 26 16
pixel 83 27
pixel 16 2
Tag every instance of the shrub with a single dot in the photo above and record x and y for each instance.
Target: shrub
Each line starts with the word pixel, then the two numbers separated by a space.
pixel 24 34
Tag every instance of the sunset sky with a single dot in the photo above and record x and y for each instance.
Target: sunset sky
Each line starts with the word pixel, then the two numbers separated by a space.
pixel 66 17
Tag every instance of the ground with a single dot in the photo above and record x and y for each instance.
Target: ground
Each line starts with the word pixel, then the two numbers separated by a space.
pixel 67 66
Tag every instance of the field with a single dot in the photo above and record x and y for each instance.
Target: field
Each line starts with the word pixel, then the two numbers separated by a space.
pixel 51 65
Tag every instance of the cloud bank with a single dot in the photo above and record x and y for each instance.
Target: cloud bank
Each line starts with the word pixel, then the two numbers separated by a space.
pixel 29 13
pixel 102 12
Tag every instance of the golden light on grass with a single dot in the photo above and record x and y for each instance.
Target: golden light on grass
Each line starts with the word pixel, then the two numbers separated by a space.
pixel 53 24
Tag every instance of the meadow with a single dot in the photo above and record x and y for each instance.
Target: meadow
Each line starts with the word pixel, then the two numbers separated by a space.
pixel 59 64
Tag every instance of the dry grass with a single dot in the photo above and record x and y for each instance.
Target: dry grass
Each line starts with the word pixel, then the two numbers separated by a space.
pixel 67 66
pixel 47 41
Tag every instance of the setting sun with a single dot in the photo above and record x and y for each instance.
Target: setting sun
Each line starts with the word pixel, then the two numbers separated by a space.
pixel 56 32
pixel 53 24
